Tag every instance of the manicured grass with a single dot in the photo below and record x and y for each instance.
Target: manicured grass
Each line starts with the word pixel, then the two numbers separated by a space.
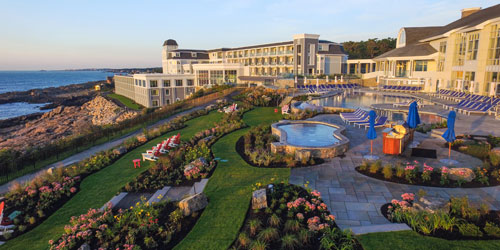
pixel 100 187
pixel 125 101
pixel 229 189
pixel 412 240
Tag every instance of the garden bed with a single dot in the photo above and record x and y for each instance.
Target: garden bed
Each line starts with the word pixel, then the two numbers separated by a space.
pixel 255 148
pixel 411 174
pixel 157 226
pixel 295 218
pixel 457 220
pixel 171 169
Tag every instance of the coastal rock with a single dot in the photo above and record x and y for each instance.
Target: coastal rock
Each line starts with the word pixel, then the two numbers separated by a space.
pixel 461 173
pixel 63 121
pixel 142 138
pixel 194 203
pixel 259 199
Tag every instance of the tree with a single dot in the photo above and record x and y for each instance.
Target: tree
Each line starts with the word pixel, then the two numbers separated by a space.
pixel 370 48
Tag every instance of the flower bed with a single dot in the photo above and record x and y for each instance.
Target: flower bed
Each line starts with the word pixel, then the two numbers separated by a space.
pixel 259 96
pixel 294 219
pixel 170 169
pixel 255 148
pixel 456 221
pixel 42 196
pixel 424 175
pixel 157 226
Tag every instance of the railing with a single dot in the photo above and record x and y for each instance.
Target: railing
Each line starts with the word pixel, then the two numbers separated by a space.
pixel 258 54
pixel 280 52
pixel 289 51
pixel 265 53
pixel 273 53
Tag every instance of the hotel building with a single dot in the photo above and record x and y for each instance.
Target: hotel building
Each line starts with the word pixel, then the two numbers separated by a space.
pixel 463 55
pixel 184 70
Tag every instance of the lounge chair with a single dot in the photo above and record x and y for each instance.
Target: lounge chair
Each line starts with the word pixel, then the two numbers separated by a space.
pixel 360 119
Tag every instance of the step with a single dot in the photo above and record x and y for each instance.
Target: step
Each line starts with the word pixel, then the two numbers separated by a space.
pixel 198 187
pixel 158 195
pixel 114 200
pixel 390 227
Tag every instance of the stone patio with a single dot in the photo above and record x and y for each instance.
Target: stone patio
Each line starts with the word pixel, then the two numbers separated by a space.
pixel 356 199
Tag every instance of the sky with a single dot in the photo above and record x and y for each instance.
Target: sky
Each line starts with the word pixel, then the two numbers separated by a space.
pixel 75 34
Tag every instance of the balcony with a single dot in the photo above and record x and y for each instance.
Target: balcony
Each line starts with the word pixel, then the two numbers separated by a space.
pixel 289 51
pixel 258 54
pixel 282 63
pixel 265 53
pixel 273 53
pixel 281 52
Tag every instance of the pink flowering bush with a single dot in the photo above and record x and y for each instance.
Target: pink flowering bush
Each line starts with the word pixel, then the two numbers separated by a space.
pixel 141 227
pixel 426 174
pixel 295 212
pixel 411 172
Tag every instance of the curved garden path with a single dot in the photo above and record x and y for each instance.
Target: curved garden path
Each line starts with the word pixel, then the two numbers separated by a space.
pixel 230 188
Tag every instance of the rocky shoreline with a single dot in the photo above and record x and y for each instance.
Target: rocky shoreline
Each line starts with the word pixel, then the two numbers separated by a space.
pixel 75 108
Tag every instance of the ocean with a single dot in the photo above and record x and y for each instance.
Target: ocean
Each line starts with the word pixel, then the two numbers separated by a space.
pixel 26 80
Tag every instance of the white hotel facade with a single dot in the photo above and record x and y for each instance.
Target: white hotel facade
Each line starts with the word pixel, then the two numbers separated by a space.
pixel 185 70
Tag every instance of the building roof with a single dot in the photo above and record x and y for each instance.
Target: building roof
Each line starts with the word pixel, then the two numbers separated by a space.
pixel 470 20
pixel 258 78
pixel 188 54
pixel 170 42
pixel 334 49
pixel 418 49
pixel 415 34
pixel 190 50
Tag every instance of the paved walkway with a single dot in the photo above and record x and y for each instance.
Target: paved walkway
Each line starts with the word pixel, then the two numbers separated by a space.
pixel 356 199
pixel 91 151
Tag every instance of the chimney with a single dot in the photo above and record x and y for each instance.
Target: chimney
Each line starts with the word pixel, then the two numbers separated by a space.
pixel 469 11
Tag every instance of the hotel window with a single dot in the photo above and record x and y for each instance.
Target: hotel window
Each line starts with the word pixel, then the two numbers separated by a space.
pixel 153 84
pixel 135 82
pixel 144 83
pixel 155 103
pixel 494 50
pixel 155 92
pixel 168 101
pixel 167 91
pixel 190 82
pixel 299 49
pixel 202 77
pixel 166 83
pixel 178 83
pixel 177 54
pixel 460 44
pixel 442 47
pixel 298 60
pixel 472 47
pixel 420 65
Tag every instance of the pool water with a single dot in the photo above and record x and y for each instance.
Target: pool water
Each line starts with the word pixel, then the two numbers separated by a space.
pixel 360 100
pixel 309 134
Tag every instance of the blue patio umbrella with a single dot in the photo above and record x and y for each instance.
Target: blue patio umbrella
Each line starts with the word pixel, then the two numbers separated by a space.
pixel 413 118
pixel 449 134
pixel 372 134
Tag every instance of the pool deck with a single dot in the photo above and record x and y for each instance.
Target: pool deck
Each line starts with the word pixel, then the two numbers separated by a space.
pixel 355 199
pixel 482 125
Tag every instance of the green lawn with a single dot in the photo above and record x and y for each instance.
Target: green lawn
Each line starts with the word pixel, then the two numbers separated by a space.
pixel 125 101
pixel 230 188
pixel 100 187
pixel 412 240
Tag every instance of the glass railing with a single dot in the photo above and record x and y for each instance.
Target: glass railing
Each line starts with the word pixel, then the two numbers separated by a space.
pixel 289 51
pixel 280 52
pixel 258 54
pixel 273 52
pixel 265 53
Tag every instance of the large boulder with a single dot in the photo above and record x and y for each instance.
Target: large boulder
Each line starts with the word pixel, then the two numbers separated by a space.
pixel 432 204
pixel 461 173
pixel 142 138
pixel 496 151
pixel 259 199
pixel 119 151
pixel 194 203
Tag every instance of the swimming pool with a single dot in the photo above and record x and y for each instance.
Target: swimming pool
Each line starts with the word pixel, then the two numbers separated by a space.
pixel 309 134
pixel 360 100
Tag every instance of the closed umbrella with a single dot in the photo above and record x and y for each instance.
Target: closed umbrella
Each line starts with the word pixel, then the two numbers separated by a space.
pixel 413 118
pixel 372 134
pixel 449 135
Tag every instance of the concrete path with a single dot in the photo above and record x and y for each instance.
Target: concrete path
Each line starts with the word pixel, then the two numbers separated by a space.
pixel 91 151
pixel 356 199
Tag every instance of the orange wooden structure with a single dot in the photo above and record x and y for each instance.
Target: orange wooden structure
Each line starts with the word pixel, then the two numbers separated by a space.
pixel 395 139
